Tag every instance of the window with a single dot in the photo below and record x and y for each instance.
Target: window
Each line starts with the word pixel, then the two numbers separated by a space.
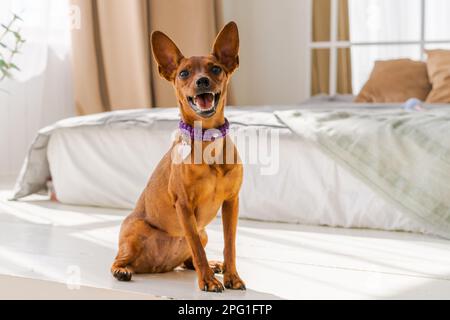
pixel 384 29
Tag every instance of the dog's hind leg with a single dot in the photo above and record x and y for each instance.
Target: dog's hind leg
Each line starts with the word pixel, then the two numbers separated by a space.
pixel 132 233
pixel 144 249
pixel 217 267
pixel 121 270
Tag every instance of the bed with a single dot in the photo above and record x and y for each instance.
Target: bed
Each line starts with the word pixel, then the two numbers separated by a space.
pixel 105 160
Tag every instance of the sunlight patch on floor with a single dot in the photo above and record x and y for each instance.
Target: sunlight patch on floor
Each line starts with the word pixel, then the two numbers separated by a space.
pixel 46 241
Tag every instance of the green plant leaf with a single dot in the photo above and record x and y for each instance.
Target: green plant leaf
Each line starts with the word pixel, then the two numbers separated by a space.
pixel 7 53
pixel 17 35
pixel 5 73
pixel 16 17
pixel 13 66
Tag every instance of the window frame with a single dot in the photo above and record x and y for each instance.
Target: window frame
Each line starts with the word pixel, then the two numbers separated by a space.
pixel 334 44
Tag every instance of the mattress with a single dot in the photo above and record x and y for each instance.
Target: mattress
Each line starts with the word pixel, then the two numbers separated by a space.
pixel 108 163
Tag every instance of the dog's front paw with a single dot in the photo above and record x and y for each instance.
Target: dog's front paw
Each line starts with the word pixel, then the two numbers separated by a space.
pixel 211 285
pixel 233 281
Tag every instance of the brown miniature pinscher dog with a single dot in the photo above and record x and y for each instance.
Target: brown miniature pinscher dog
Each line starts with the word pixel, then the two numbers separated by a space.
pixel 167 228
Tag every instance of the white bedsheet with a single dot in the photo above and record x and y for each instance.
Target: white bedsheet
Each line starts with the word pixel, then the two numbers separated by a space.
pixel 109 166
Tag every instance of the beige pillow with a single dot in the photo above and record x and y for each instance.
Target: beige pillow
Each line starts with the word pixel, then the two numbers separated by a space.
pixel 396 81
pixel 438 64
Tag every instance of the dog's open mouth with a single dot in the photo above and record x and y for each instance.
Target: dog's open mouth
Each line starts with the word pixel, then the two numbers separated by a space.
pixel 205 104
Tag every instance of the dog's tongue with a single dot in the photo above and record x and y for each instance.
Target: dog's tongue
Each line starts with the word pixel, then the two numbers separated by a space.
pixel 205 100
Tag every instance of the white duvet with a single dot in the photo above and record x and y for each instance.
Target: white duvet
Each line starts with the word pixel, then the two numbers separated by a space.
pixel 106 160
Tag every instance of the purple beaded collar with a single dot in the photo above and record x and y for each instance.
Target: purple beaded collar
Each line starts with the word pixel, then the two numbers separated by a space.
pixel 198 134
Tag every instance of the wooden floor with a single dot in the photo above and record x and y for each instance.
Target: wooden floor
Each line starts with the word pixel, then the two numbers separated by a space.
pixel 68 251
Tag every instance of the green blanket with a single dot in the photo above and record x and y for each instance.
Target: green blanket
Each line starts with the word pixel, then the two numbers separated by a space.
pixel 403 156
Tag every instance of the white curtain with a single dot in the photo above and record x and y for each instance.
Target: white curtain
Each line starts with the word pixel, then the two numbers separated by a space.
pixel 393 20
pixel 41 92
pixel 438 22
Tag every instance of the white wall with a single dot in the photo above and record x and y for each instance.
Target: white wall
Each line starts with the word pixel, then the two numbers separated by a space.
pixel 274 55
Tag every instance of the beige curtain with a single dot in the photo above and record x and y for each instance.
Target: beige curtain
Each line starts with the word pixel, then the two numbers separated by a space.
pixel 321 57
pixel 112 62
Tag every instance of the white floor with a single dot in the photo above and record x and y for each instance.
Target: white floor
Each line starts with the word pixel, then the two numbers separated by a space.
pixel 48 250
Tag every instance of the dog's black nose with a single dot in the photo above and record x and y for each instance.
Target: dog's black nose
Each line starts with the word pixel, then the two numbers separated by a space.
pixel 203 83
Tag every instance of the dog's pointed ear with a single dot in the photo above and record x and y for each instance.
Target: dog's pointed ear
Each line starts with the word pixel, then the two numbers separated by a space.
pixel 166 54
pixel 226 47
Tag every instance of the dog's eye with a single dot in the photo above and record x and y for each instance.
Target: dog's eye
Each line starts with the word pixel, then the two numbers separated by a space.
pixel 184 74
pixel 216 70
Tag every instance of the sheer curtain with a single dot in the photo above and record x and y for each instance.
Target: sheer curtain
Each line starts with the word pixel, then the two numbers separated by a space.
pixel 320 77
pixel 382 20
pixel 393 20
pixel 41 92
